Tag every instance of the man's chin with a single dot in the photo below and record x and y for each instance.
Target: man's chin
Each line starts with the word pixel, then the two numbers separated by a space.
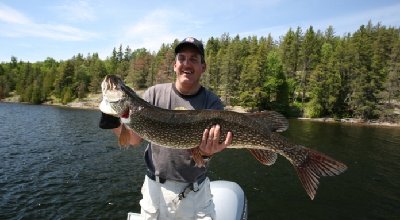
pixel 186 79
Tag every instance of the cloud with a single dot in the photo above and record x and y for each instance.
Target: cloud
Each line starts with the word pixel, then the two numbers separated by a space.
pixel 15 24
pixel 12 16
pixel 157 27
pixel 76 11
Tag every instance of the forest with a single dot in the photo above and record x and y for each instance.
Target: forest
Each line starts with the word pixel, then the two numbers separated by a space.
pixel 305 73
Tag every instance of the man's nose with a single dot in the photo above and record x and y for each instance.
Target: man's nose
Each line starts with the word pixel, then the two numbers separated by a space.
pixel 185 61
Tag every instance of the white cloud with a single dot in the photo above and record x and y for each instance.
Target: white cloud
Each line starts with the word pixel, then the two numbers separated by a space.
pixel 15 24
pixel 10 15
pixel 157 27
pixel 58 32
pixel 76 11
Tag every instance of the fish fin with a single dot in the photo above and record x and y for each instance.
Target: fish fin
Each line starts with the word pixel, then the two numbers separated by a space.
pixel 265 157
pixel 275 121
pixel 123 139
pixel 315 166
pixel 197 157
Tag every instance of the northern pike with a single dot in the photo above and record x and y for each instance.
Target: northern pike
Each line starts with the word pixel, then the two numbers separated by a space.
pixel 183 129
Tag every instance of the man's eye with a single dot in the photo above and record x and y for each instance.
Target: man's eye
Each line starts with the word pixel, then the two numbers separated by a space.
pixel 181 58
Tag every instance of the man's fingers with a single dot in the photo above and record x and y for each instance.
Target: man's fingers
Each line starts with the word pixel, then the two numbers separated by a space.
pixel 211 134
pixel 228 140
pixel 205 136
pixel 210 140
pixel 216 136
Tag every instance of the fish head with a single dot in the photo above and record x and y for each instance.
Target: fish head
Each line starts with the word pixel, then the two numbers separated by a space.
pixel 115 96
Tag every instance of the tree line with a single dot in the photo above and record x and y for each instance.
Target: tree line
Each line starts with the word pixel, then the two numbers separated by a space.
pixel 308 72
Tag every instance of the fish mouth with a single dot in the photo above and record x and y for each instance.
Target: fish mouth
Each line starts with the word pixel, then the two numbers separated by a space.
pixel 125 114
pixel 112 97
pixel 111 89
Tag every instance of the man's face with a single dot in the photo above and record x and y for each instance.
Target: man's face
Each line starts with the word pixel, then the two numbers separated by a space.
pixel 188 67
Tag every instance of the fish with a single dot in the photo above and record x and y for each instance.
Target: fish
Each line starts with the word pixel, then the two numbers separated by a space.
pixel 259 133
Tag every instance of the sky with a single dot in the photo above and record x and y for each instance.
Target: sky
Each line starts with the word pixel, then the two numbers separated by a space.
pixel 34 30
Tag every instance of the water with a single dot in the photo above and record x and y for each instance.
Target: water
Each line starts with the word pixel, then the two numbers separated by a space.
pixel 57 164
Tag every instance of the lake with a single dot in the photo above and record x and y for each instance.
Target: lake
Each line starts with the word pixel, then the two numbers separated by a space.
pixel 57 164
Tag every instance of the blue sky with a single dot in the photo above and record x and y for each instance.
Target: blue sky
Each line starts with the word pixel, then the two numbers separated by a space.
pixel 34 30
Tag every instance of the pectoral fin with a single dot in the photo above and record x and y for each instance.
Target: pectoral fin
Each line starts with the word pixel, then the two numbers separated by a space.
pixel 197 157
pixel 123 139
pixel 265 157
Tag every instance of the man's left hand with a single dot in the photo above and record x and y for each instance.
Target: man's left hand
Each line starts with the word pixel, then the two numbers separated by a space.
pixel 210 141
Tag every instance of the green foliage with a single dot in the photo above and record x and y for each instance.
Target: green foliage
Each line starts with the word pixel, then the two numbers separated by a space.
pixel 67 95
pixel 312 73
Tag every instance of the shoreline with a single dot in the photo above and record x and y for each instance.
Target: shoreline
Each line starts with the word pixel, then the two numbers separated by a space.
pixel 93 100
pixel 352 121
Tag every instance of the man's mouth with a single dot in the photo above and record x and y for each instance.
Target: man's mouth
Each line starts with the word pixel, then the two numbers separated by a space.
pixel 187 72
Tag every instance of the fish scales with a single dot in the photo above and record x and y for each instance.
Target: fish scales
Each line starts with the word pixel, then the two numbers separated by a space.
pixel 184 129
pixel 185 132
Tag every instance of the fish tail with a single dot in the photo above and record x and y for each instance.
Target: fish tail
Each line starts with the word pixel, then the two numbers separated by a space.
pixel 313 167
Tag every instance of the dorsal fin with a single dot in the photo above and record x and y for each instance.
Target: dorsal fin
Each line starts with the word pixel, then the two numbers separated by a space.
pixel 274 120
pixel 265 157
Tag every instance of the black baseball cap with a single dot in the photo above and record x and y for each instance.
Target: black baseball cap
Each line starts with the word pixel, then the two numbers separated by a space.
pixel 193 42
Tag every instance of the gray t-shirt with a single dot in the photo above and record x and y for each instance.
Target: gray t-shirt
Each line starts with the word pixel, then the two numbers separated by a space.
pixel 176 164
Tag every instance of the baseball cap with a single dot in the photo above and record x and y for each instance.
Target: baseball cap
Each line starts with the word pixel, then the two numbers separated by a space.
pixel 193 42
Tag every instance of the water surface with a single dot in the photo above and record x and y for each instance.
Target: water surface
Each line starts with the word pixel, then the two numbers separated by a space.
pixel 57 164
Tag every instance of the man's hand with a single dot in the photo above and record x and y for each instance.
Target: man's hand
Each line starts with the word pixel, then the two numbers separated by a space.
pixel 210 141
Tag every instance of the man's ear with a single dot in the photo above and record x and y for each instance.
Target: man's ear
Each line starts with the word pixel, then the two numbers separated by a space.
pixel 175 66
pixel 204 66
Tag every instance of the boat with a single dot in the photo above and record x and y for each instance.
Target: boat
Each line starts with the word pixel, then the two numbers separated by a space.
pixel 229 200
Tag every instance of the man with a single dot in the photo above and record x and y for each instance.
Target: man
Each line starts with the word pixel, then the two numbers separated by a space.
pixel 174 187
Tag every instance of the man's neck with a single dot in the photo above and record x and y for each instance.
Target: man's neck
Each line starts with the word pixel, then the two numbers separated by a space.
pixel 187 90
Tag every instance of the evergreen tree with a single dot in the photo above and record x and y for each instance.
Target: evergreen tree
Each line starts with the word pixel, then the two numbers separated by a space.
pixel 140 68
pixel 364 88
pixel 251 79
pixel 324 84
pixel 290 50
pixel 230 68
pixel 309 52
pixel 65 80
pixel 97 72
pixel 392 83
pixel 275 83
pixel 163 65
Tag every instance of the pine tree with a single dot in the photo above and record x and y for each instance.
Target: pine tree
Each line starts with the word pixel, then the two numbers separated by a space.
pixel 324 84
pixel 309 53
pixel 290 53
pixel 363 98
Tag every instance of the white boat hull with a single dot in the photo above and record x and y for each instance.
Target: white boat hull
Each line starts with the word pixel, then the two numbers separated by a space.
pixel 229 199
